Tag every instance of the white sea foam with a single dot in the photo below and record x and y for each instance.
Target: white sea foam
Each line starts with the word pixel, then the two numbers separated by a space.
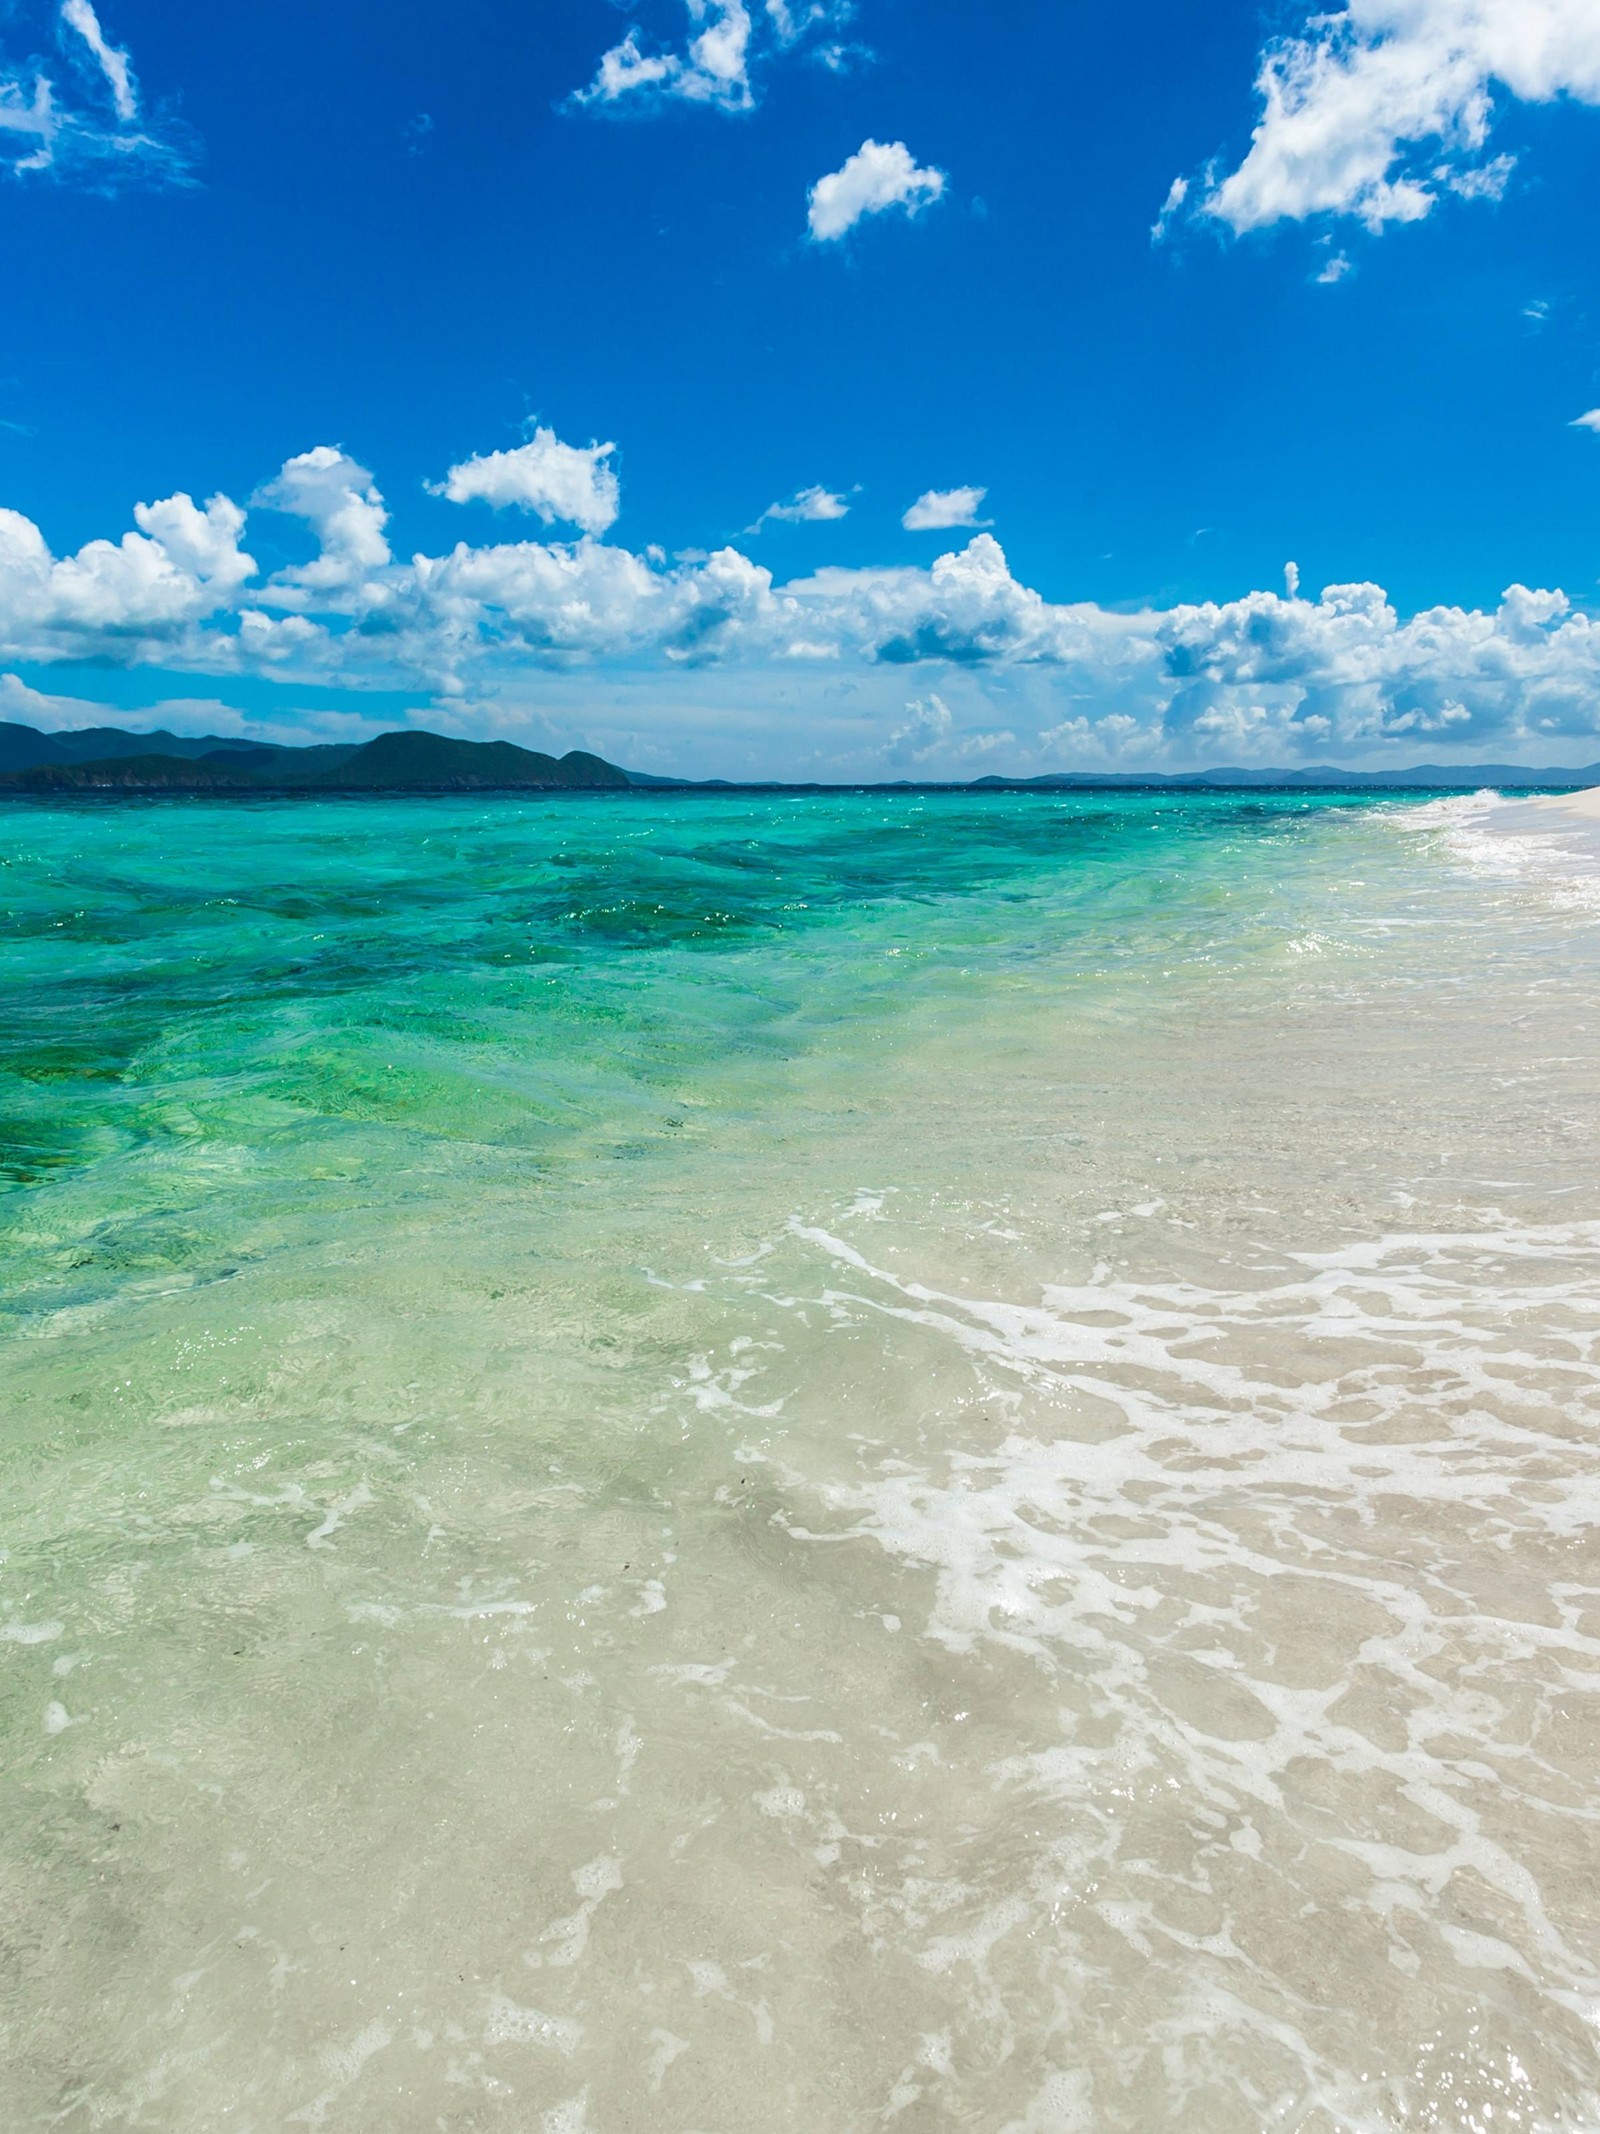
pixel 1551 855
pixel 16 1633
pixel 1291 1552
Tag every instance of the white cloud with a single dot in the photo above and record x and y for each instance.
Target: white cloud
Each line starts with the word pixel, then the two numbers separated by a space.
pixel 937 510
pixel 203 543
pixel 1589 421
pixel 725 42
pixel 133 597
pixel 1346 671
pixel 571 483
pixel 793 22
pixel 880 175
pixel 1171 208
pixel 29 118
pixel 1374 110
pixel 626 69
pixel 1334 269
pixel 718 52
pixel 21 705
pixel 1026 682
pixel 339 499
pixel 932 742
pixel 80 16
pixel 1480 181
pixel 928 727
pixel 48 713
pixel 805 507
pixel 87 123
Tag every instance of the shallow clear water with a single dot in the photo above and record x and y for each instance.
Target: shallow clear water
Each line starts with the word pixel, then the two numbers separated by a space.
pixel 798 1463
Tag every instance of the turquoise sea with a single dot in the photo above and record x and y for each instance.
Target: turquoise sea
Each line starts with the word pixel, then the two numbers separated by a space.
pixel 807 1463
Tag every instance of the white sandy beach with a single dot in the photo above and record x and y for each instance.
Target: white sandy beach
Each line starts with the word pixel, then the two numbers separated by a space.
pixel 1585 803
pixel 1564 825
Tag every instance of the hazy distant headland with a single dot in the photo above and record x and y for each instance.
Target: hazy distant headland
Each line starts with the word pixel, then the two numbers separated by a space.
pixel 112 761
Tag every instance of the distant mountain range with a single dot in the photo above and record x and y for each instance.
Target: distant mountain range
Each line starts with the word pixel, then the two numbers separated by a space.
pixel 108 760
pixel 1463 777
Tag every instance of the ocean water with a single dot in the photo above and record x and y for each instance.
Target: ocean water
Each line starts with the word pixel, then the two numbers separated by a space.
pixel 799 1464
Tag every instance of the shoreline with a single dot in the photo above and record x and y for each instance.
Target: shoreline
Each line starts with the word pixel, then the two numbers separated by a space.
pixel 1542 814
pixel 1551 836
pixel 114 793
pixel 1581 806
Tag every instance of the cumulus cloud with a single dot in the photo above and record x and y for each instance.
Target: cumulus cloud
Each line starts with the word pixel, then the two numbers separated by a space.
pixel 1589 421
pixel 937 510
pixel 880 175
pixel 932 742
pixel 203 543
pixel 571 483
pixel 1376 110
pixel 1000 671
pixel 805 507
pixel 339 499
pixel 87 121
pixel 725 42
pixel 138 594
pixel 1346 671
pixel 929 725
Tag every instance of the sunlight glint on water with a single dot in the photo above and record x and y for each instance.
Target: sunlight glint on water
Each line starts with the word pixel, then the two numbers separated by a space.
pixel 813 1464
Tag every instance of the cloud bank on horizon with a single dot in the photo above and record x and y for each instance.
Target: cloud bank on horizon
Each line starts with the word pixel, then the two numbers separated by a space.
pixel 495 634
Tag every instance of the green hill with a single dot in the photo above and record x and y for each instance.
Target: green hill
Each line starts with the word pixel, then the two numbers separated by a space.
pixel 23 748
pixel 432 763
pixel 393 763
pixel 132 774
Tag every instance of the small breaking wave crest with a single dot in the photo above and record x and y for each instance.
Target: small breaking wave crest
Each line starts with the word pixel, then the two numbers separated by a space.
pixel 1551 856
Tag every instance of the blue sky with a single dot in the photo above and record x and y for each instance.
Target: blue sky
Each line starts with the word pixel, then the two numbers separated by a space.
pixel 856 256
